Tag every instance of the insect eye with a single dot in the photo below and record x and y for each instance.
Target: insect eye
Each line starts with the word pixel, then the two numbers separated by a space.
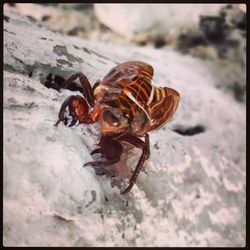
pixel 109 118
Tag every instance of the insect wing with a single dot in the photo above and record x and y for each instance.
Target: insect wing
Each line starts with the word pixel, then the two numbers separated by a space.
pixel 162 110
pixel 128 72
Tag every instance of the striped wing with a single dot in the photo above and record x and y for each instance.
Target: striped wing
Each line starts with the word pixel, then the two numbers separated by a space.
pixel 127 73
pixel 129 86
pixel 163 106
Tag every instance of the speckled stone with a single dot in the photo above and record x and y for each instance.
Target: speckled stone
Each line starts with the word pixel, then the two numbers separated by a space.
pixel 195 191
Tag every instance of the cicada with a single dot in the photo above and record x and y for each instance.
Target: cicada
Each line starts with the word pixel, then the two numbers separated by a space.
pixel 127 107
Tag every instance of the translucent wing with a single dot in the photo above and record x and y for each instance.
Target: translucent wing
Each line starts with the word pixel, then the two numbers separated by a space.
pixel 163 106
pixel 134 77
pixel 128 72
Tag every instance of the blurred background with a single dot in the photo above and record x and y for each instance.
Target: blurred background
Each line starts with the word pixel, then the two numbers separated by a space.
pixel 215 33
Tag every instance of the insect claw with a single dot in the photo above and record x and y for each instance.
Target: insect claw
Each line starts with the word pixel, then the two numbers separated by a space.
pixel 65 121
pixel 96 151
pixel 58 121
pixel 61 117
pixel 73 122
pixel 90 163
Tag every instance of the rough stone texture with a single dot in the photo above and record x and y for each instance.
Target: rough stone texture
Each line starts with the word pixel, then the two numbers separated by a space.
pixel 194 193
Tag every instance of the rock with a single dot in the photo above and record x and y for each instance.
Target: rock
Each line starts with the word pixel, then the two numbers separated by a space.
pixel 151 20
pixel 219 35
pixel 194 193
pixel 71 19
pixel 221 40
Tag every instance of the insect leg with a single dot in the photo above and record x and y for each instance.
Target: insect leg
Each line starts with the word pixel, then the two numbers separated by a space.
pixel 144 156
pixel 101 163
pixel 96 151
pixel 97 83
pixel 110 149
pixel 61 116
pixel 89 94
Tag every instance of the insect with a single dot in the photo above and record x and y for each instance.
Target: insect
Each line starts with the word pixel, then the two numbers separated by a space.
pixel 126 105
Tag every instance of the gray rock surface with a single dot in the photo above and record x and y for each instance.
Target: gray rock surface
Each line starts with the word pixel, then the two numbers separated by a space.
pixel 221 40
pixel 194 193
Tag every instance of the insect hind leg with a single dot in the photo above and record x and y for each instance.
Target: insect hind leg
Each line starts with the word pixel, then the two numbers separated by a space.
pixel 144 156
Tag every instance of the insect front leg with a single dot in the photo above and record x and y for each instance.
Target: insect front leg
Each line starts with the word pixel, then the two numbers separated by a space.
pixel 61 116
pixel 78 111
pixel 88 90
pixel 78 107
pixel 144 156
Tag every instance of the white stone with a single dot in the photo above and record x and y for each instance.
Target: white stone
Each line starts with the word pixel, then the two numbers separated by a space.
pixel 130 20
pixel 49 199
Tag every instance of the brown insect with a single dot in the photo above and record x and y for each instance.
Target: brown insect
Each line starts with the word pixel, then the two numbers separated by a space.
pixel 126 105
